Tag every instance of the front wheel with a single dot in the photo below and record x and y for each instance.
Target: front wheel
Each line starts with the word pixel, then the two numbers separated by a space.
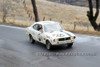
pixel 48 45
pixel 70 45
pixel 31 39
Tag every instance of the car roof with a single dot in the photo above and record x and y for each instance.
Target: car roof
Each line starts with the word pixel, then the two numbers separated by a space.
pixel 46 22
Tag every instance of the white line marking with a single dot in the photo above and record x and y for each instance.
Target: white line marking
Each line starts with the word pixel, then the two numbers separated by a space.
pixel 13 27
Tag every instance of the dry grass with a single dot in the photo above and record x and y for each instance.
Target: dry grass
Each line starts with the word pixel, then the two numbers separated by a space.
pixel 67 13
pixel 18 23
pixel 86 32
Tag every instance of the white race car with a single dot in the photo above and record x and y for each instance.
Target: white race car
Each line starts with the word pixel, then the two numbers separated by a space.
pixel 50 33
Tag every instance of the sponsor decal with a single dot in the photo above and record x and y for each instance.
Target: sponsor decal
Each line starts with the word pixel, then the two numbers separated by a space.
pixel 58 35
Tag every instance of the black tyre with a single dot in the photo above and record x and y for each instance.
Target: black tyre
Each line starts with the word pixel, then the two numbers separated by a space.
pixel 70 45
pixel 31 39
pixel 48 45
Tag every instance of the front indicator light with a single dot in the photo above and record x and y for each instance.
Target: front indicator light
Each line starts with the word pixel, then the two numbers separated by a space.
pixel 71 38
pixel 57 42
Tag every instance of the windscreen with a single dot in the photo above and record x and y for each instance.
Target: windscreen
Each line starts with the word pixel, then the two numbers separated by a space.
pixel 53 27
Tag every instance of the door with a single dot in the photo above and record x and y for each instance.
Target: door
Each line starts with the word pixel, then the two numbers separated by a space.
pixel 39 33
pixel 35 31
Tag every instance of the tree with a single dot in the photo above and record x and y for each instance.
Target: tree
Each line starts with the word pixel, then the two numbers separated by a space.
pixel 92 18
pixel 35 11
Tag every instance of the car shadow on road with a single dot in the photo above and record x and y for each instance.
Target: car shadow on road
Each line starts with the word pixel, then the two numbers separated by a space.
pixel 54 48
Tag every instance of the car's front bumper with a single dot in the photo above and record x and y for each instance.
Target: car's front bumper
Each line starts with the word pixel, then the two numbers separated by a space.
pixel 62 42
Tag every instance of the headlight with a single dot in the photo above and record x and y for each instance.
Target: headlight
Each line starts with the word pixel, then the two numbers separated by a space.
pixel 55 40
pixel 73 37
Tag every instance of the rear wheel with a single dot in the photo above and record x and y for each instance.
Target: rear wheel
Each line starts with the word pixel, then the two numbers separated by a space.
pixel 31 39
pixel 48 45
pixel 70 45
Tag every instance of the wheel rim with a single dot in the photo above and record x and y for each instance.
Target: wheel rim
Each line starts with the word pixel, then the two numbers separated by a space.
pixel 48 46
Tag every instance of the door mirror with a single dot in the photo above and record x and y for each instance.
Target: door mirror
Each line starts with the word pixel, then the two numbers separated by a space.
pixel 39 28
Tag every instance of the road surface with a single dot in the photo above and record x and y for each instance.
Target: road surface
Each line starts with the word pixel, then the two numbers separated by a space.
pixel 17 51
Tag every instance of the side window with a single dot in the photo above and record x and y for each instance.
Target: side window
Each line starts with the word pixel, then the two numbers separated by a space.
pixel 39 27
pixel 35 26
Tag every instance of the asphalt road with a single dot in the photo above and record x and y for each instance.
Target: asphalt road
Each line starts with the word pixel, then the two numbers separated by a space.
pixel 17 51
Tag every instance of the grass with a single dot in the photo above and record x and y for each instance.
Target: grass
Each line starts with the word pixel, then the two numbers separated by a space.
pixel 70 28
pixel 67 13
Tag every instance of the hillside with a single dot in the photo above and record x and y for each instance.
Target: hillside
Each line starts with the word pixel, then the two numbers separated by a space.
pixel 67 13
pixel 58 12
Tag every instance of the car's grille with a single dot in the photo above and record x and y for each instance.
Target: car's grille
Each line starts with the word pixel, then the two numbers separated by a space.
pixel 68 38
pixel 63 39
